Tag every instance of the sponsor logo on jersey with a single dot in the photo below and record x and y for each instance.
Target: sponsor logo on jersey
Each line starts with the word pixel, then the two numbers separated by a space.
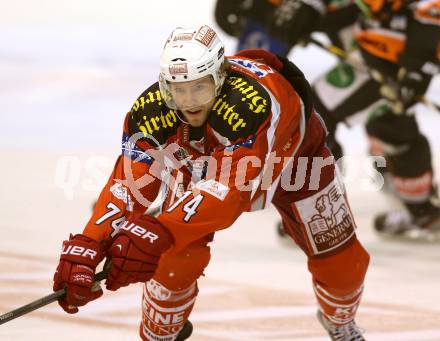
pixel 148 124
pixel 158 291
pixel 327 218
pixel 214 188
pixel 184 159
pixel 259 69
pixel 225 110
pixel 162 321
pixel 132 151
pixel 205 35
pixel 159 322
pixel 121 193
pixel 149 97
pixel 247 144
pixel 251 96
pixel 199 169
pixel 243 104
pixel 151 117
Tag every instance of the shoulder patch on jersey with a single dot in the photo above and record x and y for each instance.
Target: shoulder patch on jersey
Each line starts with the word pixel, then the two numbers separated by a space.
pixel 134 152
pixel 258 69
pixel 151 117
pixel 240 109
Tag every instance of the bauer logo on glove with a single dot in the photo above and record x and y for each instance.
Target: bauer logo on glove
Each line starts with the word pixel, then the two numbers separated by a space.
pixel 139 231
pixel 78 251
pixel 136 250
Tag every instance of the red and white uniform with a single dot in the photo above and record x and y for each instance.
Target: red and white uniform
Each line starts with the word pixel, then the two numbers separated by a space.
pixel 260 138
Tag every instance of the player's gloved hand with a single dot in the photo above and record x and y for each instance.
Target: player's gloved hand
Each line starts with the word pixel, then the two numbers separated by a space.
pixel 136 250
pixel 406 90
pixel 79 257
pixel 295 20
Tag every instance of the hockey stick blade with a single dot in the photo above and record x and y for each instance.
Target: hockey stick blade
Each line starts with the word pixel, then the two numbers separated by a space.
pixel 42 301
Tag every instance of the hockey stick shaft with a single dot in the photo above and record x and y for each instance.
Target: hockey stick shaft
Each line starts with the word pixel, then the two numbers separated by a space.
pixel 41 302
pixel 340 53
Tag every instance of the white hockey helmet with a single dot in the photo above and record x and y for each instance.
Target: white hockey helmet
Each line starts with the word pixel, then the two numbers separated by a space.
pixel 190 54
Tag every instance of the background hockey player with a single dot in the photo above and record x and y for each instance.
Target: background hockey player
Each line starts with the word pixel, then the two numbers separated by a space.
pixel 260 24
pixel 400 43
pixel 248 22
pixel 215 137
pixel 251 22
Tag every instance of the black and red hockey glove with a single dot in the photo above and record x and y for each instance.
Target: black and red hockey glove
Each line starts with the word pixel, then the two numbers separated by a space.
pixel 79 257
pixel 406 90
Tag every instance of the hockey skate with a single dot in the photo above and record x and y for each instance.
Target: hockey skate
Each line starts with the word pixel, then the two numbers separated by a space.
pixel 186 331
pixel 403 224
pixel 346 332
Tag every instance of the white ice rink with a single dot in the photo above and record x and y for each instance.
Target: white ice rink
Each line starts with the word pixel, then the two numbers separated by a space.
pixel 69 71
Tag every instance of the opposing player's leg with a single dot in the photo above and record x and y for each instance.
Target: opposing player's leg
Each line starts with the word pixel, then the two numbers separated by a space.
pixel 409 160
pixel 344 95
pixel 169 297
pixel 319 220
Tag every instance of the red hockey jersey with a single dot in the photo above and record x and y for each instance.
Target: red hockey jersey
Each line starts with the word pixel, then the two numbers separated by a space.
pixel 206 178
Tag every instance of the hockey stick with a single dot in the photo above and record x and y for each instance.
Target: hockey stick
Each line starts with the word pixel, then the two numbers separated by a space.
pixel 43 301
pixel 341 54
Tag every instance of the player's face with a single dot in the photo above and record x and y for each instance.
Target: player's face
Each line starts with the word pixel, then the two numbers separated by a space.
pixel 194 99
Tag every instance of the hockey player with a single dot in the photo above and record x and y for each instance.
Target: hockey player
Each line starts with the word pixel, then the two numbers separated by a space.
pixel 247 21
pixel 252 23
pixel 400 66
pixel 215 137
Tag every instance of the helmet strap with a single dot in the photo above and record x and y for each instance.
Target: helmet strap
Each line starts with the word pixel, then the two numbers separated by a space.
pixel 180 118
